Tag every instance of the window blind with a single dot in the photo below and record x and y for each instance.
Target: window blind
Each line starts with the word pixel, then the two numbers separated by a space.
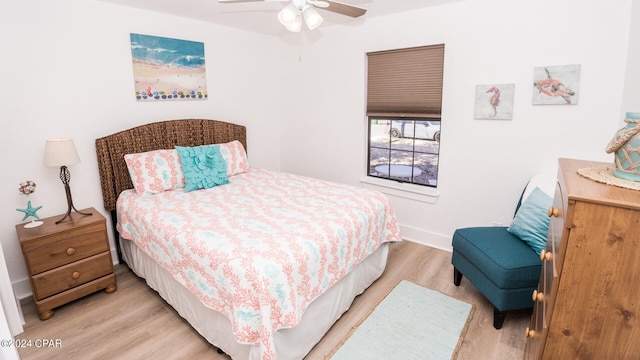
pixel 405 82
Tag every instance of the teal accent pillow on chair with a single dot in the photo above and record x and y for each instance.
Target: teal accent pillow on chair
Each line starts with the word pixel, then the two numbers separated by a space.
pixel 203 167
pixel 531 223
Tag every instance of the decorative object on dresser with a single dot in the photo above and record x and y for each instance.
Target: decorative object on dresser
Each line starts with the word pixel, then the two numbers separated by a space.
pixel 67 261
pixel 626 145
pixel 62 153
pixel 586 303
pixel 27 188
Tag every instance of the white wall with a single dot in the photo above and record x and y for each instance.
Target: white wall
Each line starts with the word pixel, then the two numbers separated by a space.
pixel 66 72
pixel 484 164
pixel 631 98
pixel 11 320
pixel 9 352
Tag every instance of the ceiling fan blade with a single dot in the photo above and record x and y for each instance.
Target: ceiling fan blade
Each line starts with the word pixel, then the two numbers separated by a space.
pixel 344 9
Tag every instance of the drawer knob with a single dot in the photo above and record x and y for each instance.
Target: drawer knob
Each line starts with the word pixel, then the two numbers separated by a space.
pixel 529 333
pixel 537 296
pixel 553 212
pixel 71 251
pixel 75 275
pixel 545 255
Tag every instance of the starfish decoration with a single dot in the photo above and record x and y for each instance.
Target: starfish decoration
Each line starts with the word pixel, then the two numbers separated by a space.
pixel 30 211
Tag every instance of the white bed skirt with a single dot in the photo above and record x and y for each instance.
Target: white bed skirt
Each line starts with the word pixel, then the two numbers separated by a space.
pixel 293 343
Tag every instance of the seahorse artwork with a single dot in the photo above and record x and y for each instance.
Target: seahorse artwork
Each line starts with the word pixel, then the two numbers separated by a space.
pixel 554 88
pixel 494 100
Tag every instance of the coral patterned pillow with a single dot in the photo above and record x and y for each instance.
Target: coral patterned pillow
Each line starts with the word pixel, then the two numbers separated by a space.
pixel 155 171
pixel 236 157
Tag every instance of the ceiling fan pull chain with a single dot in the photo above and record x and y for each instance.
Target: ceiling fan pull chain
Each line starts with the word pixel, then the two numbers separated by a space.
pixel 300 48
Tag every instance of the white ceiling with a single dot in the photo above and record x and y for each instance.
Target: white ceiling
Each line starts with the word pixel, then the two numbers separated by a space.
pixel 261 16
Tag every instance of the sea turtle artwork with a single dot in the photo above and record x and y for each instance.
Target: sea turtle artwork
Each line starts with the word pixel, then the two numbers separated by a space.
pixel 554 87
pixel 556 84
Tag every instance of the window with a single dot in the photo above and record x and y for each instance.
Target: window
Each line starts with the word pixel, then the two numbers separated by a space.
pixel 404 101
pixel 404 149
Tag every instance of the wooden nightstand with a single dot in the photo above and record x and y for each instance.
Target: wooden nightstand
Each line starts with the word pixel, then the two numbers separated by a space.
pixel 67 261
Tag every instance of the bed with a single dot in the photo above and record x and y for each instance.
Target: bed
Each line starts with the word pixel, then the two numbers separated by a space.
pixel 261 265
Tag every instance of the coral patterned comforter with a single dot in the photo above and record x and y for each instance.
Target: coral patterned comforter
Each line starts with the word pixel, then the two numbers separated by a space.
pixel 261 248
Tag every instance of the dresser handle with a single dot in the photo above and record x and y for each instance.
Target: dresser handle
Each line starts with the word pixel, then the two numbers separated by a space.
pixel 537 296
pixel 75 275
pixel 553 212
pixel 545 255
pixel 529 333
pixel 71 251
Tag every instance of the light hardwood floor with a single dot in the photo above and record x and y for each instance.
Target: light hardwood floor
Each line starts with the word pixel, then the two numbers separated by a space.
pixel 135 323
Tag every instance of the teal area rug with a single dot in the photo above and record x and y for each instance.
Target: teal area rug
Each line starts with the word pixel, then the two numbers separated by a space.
pixel 411 322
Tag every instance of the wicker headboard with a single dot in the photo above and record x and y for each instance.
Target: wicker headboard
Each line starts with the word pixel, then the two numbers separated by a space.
pixel 114 176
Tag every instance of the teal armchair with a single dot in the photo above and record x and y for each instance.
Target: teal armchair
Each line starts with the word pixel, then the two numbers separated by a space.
pixel 502 262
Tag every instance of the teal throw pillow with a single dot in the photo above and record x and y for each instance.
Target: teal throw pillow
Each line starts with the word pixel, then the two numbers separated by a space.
pixel 531 223
pixel 203 167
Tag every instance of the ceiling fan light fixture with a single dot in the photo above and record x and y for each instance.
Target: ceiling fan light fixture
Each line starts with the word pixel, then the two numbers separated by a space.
pixel 288 15
pixel 312 18
pixel 295 25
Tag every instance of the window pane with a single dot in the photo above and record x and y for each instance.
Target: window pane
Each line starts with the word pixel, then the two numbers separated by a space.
pixel 377 157
pixel 379 133
pixel 404 150
pixel 379 143
pixel 428 164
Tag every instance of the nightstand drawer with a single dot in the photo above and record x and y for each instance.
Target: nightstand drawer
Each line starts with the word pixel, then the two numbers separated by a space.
pixel 66 251
pixel 71 275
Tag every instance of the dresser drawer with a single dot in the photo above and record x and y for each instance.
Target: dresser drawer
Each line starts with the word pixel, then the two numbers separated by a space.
pixel 71 275
pixel 66 251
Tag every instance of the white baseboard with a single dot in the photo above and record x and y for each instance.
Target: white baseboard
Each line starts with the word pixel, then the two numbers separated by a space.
pixel 22 289
pixel 424 237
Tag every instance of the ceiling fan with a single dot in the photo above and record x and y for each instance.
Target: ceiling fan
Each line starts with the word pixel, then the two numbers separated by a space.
pixel 291 15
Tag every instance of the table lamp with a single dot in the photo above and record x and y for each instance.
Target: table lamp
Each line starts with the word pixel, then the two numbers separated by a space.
pixel 62 153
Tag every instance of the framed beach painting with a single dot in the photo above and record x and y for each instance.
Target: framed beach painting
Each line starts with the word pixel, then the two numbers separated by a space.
pixel 168 69
pixel 494 102
pixel 557 85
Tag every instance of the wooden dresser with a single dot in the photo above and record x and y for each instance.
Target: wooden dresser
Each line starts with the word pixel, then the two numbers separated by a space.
pixel 68 260
pixel 587 305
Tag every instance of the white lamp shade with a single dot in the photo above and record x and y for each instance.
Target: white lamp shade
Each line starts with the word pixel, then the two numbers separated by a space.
pixel 60 152
pixel 312 18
